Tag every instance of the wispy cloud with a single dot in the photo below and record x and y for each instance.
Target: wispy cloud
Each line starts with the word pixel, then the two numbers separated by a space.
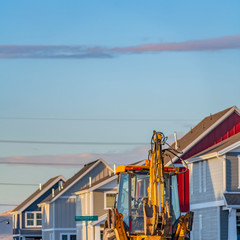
pixel 82 52
pixel 78 160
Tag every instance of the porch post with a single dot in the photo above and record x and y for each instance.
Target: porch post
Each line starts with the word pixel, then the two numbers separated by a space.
pixel 232 224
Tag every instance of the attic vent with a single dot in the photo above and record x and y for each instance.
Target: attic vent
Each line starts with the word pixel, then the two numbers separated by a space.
pixel 53 192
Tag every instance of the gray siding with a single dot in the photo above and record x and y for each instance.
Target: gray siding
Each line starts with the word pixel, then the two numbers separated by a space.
pixel 209 224
pixel 214 181
pixel 65 213
pixel 224 224
pixel 232 172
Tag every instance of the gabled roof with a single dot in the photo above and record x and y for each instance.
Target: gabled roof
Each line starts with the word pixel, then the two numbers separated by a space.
pixel 219 149
pixel 199 131
pixel 46 186
pixel 101 182
pixel 74 179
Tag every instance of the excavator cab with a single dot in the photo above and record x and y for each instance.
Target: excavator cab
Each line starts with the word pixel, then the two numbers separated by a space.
pixel 133 197
pixel 147 204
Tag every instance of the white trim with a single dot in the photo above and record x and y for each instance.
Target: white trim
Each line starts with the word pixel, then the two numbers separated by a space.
pixel 202 157
pixel 68 235
pixel 58 229
pixel 234 108
pixel 224 174
pixel 204 171
pixel 229 148
pixel 67 197
pixel 34 219
pixel 91 204
pixel 53 220
pixel 41 193
pixel 81 176
pixel 207 204
pixel 105 198
pixel 238 171
pixel 191 180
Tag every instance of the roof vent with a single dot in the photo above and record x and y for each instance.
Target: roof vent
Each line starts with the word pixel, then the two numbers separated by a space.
pixel 40 186
pixel 61 184
pixel 175 138
pixel 90 182
pixel 210 116
pixel 53 192
pixel 114 169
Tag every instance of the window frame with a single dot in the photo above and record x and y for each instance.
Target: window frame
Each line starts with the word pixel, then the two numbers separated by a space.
pixel 105 198
pixel 34 219
pixel 68 235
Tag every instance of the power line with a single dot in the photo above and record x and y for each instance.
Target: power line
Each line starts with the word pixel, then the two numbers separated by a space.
pixel 19 184
pixel 7 204
pixel 41 164
pixel 99 119
pixel 71 143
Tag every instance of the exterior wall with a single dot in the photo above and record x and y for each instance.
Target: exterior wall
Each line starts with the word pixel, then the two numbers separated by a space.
pixel 229 127
pixel 98 197
pixel 213 181
pixel 232 173
pixel 65 210
pixel 206 226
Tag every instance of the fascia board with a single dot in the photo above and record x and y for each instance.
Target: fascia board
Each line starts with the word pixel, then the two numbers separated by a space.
pixel 41 193
pixel 65 189
pixel 206 132
pixel 229 148
pixel 203 157
pixel 103 183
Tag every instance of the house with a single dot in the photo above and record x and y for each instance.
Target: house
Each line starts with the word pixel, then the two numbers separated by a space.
pixel 27 217
pixel 215 191
pixel 59 208
pixel 94 200
pixel 210 131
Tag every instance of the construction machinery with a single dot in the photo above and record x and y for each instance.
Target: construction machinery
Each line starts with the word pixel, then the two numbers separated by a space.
pixel 147 204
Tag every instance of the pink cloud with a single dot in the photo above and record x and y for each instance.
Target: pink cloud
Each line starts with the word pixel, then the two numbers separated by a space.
pixel 82 52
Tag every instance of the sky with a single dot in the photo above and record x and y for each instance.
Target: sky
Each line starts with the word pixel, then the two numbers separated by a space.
pixel 78 75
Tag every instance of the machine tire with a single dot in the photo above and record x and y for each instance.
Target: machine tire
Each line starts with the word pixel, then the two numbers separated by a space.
pixel 109 234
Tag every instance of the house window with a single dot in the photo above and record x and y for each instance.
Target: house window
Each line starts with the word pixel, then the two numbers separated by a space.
pixel 109 199
pixel 33 219
pixel 67 236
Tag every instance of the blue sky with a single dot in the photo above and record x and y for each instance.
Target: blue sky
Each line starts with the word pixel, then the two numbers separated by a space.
pixel 171 61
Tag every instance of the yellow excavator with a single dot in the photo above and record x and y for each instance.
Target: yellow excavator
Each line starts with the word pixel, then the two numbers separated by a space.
pixel 147 203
